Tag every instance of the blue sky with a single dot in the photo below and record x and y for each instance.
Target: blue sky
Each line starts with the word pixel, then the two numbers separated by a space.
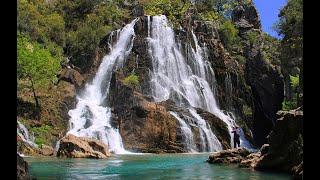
pixel 268 11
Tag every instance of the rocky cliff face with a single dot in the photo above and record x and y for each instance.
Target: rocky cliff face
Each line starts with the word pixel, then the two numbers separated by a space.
pixel 286 144
pixel 147 126
pixel 265 81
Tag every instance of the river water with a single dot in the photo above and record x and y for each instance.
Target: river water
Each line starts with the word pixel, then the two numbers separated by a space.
pixel 142 166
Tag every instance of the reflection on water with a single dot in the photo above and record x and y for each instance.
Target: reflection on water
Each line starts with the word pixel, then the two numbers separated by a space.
pixel 148 166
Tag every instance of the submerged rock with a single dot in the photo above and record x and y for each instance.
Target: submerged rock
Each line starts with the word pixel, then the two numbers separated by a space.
pixel 22 168
pixel 81 147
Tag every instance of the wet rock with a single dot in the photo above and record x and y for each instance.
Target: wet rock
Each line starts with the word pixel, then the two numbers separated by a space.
pixel 267 89
pixel 138 11
pixel 298 171
pixel 219 128
pixel 27 149
pixel 228 156
pixel 72 76
pixel 22 168
pixel 264 149
pixel 47 150
pixel 285 151
pixel 145 126
pixel 81 147
pixel 251 160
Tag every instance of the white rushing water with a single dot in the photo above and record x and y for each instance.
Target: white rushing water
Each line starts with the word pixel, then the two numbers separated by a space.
pixel 187 133
pixel 91 117
pixel 23 133
pixel 189 82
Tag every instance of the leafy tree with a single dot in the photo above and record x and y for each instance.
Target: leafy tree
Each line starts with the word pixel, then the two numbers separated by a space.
pixel 35 64
pixel 83 41
pixel 36 18
pixel 290 26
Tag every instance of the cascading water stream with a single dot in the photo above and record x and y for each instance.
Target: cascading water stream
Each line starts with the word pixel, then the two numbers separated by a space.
pixel 186 82
pixel 23 133
pixel 186 130
pixel 91 117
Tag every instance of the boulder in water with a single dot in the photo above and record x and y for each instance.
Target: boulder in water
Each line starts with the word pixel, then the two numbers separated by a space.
pixel 251 160
pixel 47 150
pixel 82 147
pixel 22 168
pixel 229 156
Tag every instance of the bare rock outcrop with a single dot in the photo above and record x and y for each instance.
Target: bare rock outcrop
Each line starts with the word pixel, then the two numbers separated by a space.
pixel 82 147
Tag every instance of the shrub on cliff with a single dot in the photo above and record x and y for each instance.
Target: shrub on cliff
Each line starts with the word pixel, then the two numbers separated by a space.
pixel 132 81
pixel 174 10
pixel 229 35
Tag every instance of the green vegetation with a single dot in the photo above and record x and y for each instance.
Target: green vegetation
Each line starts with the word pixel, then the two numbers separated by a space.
pixel 270 49
pixel 132 81
pixel 240 59
pixel 40 134
pixel 290 26
pixel 49 32
pixel 36 65
pixel 292 103
pixel 247 110
pixel 87 22
pixel 229 35
pixel 70 28
pixel 253 37
pixel 174 10
pixel 294 81
pixel 289 105
pixel 209 16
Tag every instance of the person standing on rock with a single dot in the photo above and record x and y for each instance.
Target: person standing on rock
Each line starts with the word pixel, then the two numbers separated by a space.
pixel 236 136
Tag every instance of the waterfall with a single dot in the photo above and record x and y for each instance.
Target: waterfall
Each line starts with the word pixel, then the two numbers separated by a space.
pixel 213 142
pixel 92 116
pixel 23 133
pixel 189 82
pixel 187 133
